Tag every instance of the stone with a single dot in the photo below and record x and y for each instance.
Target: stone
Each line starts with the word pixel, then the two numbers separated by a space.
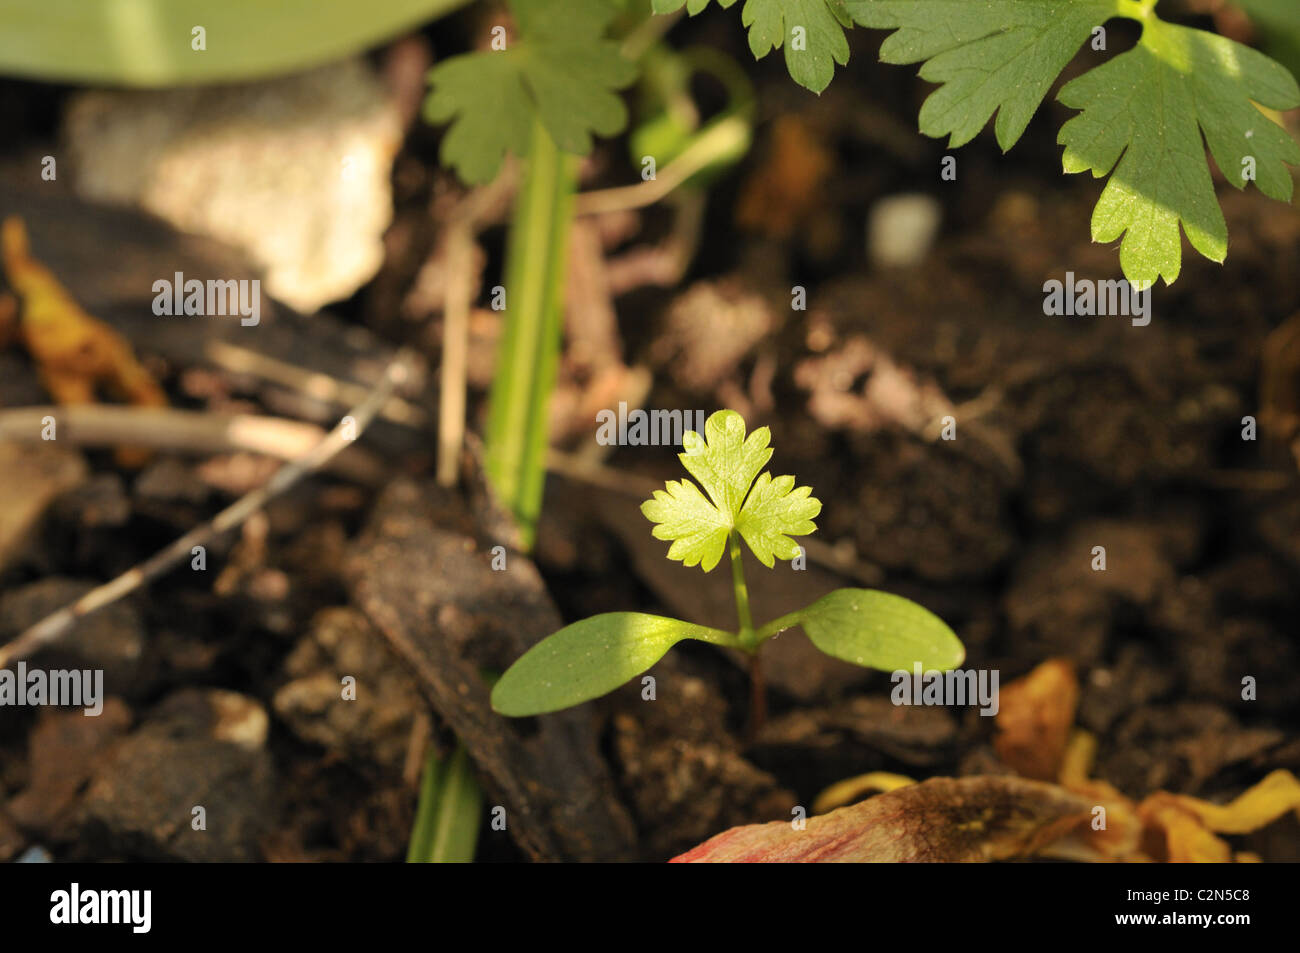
pixel 901 230
pixel 294 171
pixel 194 750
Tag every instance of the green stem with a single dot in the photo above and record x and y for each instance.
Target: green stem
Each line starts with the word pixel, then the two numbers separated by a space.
pixel 1135 9
pixel 425 810
pixel 447 816
pixel 777 626
pixel 757 696
pixel 747 640
pixel 536 264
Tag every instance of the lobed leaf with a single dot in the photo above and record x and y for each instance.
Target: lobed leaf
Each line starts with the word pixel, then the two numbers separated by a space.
pixel 591 658
pixel 562 70
pixel 725 461
pixel 1142 120
pixel 772 23
pixel 697 530
pixel 1000 56
pixel 775 511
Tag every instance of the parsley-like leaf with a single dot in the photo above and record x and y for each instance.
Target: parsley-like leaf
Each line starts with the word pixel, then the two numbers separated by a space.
pixel 1143 116
pixel 724 460
pixel 726 463
pixel 561 70
pixel 1144 111
pixel 1000 56
pixel 810 31
pixel 697 528
pixel 775 511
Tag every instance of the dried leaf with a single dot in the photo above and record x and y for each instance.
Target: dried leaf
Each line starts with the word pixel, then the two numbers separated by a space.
pixel 1035 717
pixel 843 793
pixel 943 819
pixel 75 351
pixel 787 188
pixel 1258 807
pixel 1166 827
pixel 1175 834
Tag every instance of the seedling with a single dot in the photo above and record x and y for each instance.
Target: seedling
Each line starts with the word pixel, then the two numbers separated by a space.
pixel 745 503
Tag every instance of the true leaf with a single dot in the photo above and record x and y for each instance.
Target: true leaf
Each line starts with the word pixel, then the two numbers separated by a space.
pixel 1000 56
pixel 1144 113
pixel 724 460
pixel 562 69
pixel 880 630
pixel 772 24
pixel 592 658
pixel 697 529
pixel 774 511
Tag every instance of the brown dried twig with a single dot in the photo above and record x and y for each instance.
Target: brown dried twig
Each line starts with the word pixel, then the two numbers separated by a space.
pixel 59 623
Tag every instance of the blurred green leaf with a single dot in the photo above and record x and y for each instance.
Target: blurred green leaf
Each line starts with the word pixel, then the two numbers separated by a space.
pixel 148 42
pixel 1278 22
pixel 810 31
pixel 562 71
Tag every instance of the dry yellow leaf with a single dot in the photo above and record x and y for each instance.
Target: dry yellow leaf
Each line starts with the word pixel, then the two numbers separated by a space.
pixel 1174 833
pixel 1258 807
pixel 851 789
pixel 1034 720
pixel 75 353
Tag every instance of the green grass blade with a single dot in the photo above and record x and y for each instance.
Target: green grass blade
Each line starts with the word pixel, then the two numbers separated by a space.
pixel 450 808
pixel 536 261
pixel 425 809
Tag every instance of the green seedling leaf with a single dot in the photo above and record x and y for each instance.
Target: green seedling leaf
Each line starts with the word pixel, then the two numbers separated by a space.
pixel 562 70
pixel 696 527
pixel 810 31
pixel 592 658
pixel 880 630
pixel 724 460
pixel 1144 113
pixel 775 511
pixel 1000 56
pixel 726 463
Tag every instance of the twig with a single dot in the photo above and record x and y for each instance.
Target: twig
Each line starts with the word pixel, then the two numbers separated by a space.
pixel 470 215
pixel 193 431
pixel 317 385
pixel 455 348
pixel 54 626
